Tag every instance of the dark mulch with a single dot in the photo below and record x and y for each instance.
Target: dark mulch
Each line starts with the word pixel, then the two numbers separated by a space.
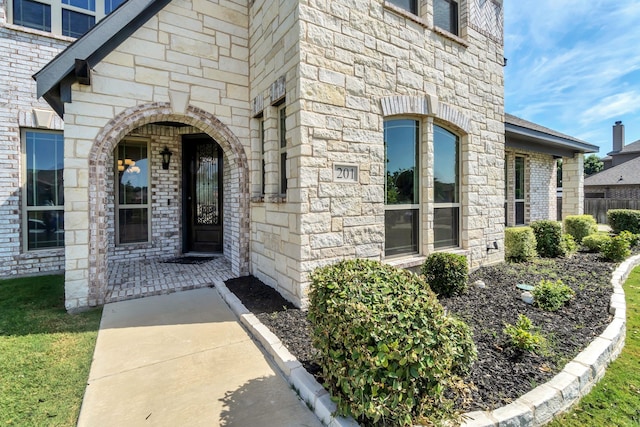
pixel 500 374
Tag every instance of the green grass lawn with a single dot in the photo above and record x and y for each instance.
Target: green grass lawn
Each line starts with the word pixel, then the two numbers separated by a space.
pixel 615 400
pixel 45 353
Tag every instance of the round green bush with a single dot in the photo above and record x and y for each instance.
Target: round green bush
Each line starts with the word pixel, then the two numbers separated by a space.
pixel 446 273
pixel 624 220
pixel 548 238
pixel 519 244
pixel 617 249
pixel 580 226
pixel 387 349
pixel 595 242
pixel 568 245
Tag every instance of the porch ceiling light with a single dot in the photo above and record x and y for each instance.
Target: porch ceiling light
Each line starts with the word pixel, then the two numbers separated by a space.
pixel 166 158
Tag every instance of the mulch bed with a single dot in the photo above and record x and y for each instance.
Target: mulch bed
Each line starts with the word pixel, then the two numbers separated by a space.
pixel 500 374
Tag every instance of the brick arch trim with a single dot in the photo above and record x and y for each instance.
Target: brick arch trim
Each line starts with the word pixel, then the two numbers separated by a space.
pixel 106 141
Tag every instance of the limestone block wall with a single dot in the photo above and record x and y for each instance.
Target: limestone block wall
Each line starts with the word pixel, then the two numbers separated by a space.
pixel 187 64
pixel 355 55
pixel 276 238
pixel 573 185
pixel 23 52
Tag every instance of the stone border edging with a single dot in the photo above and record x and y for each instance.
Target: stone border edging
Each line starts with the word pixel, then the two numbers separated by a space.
pixel 535 408
pixel 543 403
pixel 309 390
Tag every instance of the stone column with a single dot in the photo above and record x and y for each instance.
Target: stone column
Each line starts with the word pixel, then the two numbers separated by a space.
pixel 573 185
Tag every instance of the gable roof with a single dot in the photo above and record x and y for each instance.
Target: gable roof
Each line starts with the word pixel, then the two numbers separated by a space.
pixel 627 173
pixel 54 80
pixel 634 147
pixel 522 134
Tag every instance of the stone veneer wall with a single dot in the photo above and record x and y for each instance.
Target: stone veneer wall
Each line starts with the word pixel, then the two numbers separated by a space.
pixel 573 185
pixel 189 64
pixel 274 33
pixel 357 57
pixel 23 52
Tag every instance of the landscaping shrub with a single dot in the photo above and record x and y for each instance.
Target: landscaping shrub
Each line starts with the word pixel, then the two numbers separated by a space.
pixel 624 220
pixel 595 242
pixel 524 336
pixel 568 246
pixel 633 239
pixel 386 347
pixel 519 244
pixel 580 226
pixel 551 296
pixel 548 238
pixel 446 273
pixel 617 248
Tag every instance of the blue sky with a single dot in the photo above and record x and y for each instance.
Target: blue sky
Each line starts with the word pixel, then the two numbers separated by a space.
pixel 574 66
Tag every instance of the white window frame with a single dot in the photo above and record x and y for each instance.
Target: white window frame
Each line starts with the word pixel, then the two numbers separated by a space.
pixel 56 13
pixel 523 200
pixel 23 183
pixel 116 185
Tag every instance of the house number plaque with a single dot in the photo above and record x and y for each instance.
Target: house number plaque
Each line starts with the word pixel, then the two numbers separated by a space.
pixel 345 173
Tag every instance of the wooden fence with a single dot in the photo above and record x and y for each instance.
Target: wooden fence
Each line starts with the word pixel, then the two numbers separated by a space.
pixel 599 207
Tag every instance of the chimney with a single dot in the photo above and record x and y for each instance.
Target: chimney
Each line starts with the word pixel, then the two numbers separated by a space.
pixel 618 137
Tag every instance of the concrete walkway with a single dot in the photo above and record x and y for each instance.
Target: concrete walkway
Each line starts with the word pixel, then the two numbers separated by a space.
pixel 183 360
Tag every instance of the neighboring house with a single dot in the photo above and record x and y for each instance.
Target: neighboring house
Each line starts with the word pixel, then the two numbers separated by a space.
pixel 618 185
pixel 301 133
pixel 531 156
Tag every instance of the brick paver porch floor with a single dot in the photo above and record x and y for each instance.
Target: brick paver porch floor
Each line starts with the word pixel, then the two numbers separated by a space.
pixel 136 279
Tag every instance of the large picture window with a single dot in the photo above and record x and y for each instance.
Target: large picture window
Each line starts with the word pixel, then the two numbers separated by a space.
pixel 70 18
pixel 401 139
pixel 446 168
pixel 132 191
pixel 44 198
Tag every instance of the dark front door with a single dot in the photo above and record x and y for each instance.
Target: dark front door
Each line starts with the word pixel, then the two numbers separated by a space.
pixel 202 183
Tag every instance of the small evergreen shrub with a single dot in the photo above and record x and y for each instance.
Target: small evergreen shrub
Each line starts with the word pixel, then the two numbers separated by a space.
pixel 580 226
pixel 519 244
pixel 624 220
pixel 386 347
pixel 595 242
pixel 548 238
pixel 551 296
pixel 446 273
pixel 524 336
pixel 633 239
pixel 617 249
pixel 568 246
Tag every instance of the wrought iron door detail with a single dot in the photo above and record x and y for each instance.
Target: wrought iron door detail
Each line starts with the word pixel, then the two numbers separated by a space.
pixel 207 185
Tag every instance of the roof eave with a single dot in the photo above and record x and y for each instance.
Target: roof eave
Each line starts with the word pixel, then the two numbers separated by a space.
pixel 549 143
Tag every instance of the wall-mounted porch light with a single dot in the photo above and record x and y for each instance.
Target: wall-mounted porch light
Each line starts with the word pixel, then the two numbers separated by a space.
pixel 166 158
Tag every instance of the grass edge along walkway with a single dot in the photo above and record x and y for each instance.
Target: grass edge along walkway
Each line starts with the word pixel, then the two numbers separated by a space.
pixel 45 353
pixel 615 400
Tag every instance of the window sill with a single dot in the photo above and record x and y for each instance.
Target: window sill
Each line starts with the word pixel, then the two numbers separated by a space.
pixel 41 253
pixel 41 33
pixel 407 261
pixel 278 198
pixel 406 14
pixel 446 34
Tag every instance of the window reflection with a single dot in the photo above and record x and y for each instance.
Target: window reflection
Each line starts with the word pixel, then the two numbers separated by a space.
pixel 446 155
pixel 132 166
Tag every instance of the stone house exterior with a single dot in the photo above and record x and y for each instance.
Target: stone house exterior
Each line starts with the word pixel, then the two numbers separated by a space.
pixel 531 156
pixel 300 133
